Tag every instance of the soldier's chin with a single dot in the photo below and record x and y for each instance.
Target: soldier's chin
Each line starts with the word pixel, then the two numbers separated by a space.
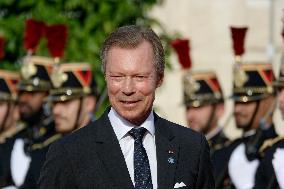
pixel 27 117
pixel 195 128
pixel 62 129
pixel 243 126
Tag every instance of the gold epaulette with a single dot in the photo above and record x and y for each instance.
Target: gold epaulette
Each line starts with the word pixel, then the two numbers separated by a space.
pixel 11 132
pixel 221 145
pixel 45 143
pixel 270 142
pixel 229 142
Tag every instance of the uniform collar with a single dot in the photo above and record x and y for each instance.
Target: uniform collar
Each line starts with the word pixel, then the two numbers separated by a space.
pixel 213 133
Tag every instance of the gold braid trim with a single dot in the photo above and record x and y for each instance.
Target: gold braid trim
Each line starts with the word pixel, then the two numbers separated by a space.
pixel 45 143
pixel 270 142
pixel 11 132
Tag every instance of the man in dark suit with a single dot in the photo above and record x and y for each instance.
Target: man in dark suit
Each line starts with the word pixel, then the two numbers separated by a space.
pixel 130 146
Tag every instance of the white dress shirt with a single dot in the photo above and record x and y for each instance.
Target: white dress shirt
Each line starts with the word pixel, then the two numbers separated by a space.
pixel 121 128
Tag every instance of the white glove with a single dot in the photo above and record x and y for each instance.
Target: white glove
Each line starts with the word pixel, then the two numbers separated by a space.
pixel 241 170
pixel 20 163
pixel 278 165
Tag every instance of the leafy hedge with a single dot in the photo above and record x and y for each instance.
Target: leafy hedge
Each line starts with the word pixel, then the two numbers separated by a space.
pixel 88 21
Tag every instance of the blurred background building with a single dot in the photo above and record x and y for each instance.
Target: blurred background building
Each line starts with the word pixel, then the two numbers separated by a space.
pixel 206 23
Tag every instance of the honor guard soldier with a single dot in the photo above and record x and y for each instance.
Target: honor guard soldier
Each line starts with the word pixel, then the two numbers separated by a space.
pixel 34 112
pixel 203 98
pixel 204 102
pixel 73 97
pixel 8 123
pixel 253 110
pixel 254 102
pixel 270 174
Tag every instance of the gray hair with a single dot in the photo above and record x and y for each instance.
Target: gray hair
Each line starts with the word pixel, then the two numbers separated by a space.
pixel 130 37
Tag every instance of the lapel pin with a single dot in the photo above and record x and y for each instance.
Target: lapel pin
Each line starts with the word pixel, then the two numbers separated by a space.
pixel 171 160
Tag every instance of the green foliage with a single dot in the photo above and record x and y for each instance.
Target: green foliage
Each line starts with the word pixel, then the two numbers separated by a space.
pixel 88 21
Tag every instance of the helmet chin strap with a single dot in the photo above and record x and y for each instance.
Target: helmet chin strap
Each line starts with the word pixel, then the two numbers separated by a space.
pixel 210 119
pixel 249 125
pixel 5 117
pixel 76 124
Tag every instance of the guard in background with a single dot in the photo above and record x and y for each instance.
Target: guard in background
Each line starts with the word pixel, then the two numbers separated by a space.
pixel 254 104
pixel 270 174
pixel 204 102
pixel 8 123
pixel 254 98
pixel 73 97
pixel 35 113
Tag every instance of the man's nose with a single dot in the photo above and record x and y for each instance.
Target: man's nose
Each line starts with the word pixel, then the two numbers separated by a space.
pixel 56 108
pixel 128 87
pixel 237 107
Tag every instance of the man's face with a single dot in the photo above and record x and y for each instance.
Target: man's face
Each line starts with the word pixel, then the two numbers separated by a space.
pixel 3 113
pixel 131 80
pixel 243 113
pixel 30 103
pixel 67 115
pixel 198 118
pixel 281 101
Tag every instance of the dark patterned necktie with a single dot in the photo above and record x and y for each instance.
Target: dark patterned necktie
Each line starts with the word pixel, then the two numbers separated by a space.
pixel 142 172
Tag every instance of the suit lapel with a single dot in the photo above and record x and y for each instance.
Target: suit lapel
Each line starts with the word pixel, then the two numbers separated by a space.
pixel 167 154
pixel 110 153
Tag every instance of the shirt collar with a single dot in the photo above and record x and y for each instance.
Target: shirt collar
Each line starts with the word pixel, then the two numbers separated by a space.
pixel 121 126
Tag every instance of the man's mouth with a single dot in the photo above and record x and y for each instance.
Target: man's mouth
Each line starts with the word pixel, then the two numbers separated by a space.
pixel 129 103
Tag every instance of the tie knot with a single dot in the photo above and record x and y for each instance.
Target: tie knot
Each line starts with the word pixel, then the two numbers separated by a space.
pixel 138 133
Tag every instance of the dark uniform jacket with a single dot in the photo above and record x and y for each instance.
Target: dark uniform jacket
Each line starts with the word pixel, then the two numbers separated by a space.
pixel 6 148
pixel 217 142
pixel 41 138
pixel 37 142
pixel 265 175
pixel 220 159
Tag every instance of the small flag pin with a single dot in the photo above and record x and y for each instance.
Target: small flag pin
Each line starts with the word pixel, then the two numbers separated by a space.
pixel 171 160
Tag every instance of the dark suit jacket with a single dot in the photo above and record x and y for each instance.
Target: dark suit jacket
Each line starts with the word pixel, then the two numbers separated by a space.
pixel 91 158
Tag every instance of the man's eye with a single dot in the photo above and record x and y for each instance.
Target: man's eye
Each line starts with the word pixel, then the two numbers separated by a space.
pixel 116 77
pixel 140 78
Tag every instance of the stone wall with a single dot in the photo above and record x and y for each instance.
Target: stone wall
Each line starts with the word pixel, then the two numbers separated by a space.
pixel 206 23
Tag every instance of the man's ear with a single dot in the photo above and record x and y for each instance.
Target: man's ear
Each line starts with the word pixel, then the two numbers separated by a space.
pixel 220 109
pixel 160 80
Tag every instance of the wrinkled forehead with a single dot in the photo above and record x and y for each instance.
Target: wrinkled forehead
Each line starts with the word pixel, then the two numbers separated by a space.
pixel 139 58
